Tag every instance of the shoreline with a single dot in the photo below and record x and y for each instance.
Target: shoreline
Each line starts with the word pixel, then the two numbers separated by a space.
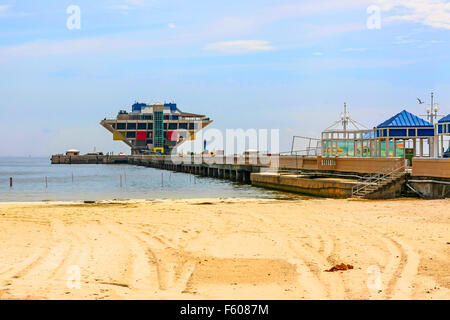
pixel 295 197
pixel 225 248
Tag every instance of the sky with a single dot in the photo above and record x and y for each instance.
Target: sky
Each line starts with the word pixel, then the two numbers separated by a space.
pixel 254 64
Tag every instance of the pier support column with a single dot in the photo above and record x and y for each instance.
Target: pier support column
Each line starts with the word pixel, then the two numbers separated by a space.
pixel 233 175
pixel 240 176
pixel 226 174
pixel 247 177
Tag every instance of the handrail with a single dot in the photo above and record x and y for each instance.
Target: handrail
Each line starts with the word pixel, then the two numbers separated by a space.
pixel 382 175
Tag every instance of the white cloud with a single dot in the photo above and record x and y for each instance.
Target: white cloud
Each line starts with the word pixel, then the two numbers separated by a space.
pixel 3 9
pixel 354 49
pixel 135 2
pixel 239 46
pixel 45 48
pixel 171 25
pixel 433 13
pixel 128 5
pixel 244 24
pixel 121 7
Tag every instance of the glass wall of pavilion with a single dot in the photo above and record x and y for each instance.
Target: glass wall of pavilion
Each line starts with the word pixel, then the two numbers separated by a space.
pixel 404 135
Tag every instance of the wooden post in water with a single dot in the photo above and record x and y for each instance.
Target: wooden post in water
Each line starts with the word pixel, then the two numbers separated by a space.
pixel 162 179
pixel 121 180
pixel 10 182
pixel 46 182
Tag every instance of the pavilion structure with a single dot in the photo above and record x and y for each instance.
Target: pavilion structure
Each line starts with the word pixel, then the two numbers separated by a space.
pixel 346 138
pixel 393 134
pixel 442 130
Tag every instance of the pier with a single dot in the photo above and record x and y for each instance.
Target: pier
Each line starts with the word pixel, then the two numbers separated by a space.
pixel 333 177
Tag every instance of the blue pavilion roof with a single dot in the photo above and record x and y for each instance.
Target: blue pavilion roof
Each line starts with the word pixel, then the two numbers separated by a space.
pixel 405 119
pixel 445 119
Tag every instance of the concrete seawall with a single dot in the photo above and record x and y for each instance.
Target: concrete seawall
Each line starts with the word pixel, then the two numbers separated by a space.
pixel 321 187
pixel 316 176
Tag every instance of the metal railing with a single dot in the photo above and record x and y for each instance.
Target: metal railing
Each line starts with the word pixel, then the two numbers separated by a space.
pixel 373 182
pixel 308 152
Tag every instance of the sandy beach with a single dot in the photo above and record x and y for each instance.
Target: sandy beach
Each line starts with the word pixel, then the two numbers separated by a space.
pixel 225 249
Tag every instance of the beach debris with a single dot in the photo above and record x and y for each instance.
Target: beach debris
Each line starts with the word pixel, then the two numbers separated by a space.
pixel 340 267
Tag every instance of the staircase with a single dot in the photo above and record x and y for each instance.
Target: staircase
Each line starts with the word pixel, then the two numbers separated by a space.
pixel 377 181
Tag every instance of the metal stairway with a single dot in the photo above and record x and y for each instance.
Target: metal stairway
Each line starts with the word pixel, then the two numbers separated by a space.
pixel 376 181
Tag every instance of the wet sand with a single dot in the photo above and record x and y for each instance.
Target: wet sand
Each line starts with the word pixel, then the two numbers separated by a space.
pixel 225 249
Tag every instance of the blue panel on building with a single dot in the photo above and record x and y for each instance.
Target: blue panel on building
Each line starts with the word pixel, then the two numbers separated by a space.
pixel 397 132
pixel 425 132
pixel 440 127
pixel 411 132
pixel 137 107
pixel 172 106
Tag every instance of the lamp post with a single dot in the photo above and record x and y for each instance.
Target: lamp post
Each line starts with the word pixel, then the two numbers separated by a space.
pixel 432 111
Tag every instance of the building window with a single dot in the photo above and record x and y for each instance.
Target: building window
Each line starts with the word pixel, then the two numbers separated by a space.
pixel 147 117
pixel 174 117
pixel 183 125
pixel 150 141
pixel 165 126
pixel 159 128
pixel 142 126
pixel 149 134
pixel 121 125
pixel 166 117
pixel 173 126
pixel 131 126
pixel 131 134
pixel 192 126
pixel 150 126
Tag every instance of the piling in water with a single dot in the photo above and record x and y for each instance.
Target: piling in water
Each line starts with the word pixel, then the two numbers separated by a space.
pixel 10 182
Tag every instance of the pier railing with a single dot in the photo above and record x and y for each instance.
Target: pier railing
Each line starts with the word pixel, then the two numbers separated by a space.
pixel 376 181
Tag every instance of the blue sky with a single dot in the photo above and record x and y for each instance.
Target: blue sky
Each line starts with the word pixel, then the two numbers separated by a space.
pixel 247 64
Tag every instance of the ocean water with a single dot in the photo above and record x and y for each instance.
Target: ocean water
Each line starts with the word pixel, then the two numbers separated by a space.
pixel 36 179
